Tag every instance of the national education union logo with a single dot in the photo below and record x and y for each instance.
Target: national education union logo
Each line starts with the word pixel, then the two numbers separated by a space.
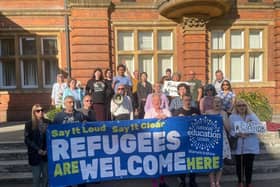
pixel 204 134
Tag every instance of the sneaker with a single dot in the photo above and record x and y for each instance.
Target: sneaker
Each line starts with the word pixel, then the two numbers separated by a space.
pixel 163 185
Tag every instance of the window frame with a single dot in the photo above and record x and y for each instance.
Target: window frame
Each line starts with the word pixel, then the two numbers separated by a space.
pixel 228 51
pixel 155 52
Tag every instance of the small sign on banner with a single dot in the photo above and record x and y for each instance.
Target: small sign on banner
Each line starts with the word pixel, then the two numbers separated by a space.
pixel 250 127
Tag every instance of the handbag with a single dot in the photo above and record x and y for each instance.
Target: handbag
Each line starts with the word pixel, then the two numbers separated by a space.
pixel 232 141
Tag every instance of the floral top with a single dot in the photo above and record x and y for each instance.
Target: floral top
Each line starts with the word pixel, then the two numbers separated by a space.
pixel 227 99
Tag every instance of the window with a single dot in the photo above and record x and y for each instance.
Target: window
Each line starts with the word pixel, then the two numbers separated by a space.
pixel 165 40
pixel 49 46
pixel 236 39
pixel 146 65
pixel 153 51
pixel 8 75
pixel 255 39
pixel 7 63
pixel 50 70
pixel 164 62
pixel 218 63
pixel 125 41
pixel 236 68
pixel 145 40
pixel 218 39
pixel 27 46
pixel 242 57
pixel 28 61
pixel 7 47
pixel 29 73
pixel 255 66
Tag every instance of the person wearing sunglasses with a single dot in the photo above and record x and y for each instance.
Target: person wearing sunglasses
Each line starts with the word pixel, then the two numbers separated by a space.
pixel 247 143
pixel 121 105
pixel 227 96
pixel 35 140
pixel 87 110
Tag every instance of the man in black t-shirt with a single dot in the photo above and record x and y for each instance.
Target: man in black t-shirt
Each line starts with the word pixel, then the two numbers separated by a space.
pixel 187 110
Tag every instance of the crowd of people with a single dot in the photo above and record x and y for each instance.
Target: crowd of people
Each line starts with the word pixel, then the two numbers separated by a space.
pixel 128 96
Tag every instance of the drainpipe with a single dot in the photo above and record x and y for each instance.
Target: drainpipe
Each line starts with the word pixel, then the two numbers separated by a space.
pixel 67 38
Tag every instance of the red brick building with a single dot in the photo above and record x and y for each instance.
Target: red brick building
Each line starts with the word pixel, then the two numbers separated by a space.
pixel 241 37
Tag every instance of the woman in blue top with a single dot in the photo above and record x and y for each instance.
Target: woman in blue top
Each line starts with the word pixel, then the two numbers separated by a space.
pixel 248 143
pixel 72 90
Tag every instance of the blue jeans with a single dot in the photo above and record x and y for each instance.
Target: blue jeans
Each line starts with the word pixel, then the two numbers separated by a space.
pixel 38 171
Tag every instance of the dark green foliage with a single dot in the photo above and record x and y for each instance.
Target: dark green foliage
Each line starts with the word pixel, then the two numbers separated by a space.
pixel 52 112
pixel 258 103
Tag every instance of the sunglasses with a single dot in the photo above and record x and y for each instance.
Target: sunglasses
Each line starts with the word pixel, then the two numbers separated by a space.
pixel 39 110
pixel 225 84
pixel 120 88
pixel 88 101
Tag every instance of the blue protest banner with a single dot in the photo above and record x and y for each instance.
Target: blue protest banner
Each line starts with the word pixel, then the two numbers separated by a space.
pixel 113 150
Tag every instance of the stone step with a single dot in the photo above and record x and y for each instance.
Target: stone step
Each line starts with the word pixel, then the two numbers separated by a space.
pixel 19 154
pixel 14 166
pixel 12 145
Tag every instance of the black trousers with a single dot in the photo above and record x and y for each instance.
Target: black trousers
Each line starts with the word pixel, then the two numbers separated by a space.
pixel 191 178
pixel 244 166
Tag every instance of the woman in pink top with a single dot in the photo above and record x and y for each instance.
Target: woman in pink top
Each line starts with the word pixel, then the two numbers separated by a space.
pixel 157 112
pixel 164 99
pixel 206 103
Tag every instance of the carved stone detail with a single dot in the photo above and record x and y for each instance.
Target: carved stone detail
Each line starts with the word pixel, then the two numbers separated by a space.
pixel 195 22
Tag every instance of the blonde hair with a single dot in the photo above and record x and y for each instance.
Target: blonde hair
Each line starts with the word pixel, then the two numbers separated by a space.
pixel 242 101
pixel 33 116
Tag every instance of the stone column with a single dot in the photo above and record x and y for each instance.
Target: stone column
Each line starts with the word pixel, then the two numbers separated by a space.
pixel 90 30
pixel 195 45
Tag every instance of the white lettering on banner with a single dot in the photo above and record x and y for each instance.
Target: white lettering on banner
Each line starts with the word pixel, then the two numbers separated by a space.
pixel 126 143
pixel 78 147
pixel 106 167
pixel 94 143
pixel 113 149
pixel 249 127
pixel 159 141
pixel 131 162
pixel 59 149
pixel 149 165
pixel 146 144
pixel 118 170
pixel 173 137
pixel 166 162
pixel 89 170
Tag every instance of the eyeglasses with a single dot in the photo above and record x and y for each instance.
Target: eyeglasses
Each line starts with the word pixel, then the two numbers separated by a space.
pixel 120 88
pixel 225 84
pixel 39 110
pixel 241 105
pixel 88 101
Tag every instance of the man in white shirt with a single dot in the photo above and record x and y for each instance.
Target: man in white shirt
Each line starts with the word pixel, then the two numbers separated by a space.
pixel 121 105
pixel 57 91
pixel 219 80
